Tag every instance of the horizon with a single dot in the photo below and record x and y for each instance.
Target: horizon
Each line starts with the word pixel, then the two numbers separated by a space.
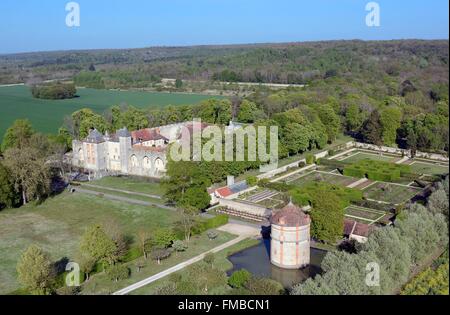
pixel 117 24
pixel 224 45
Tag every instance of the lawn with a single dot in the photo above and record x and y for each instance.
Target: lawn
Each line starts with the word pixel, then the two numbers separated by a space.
pixel 221 262
pixel 140 185
pixel 101 284
pixel 47 116
pixel 359 156
pixel 57 224
pixel 390 193
pixel 324 177
pixel 428 168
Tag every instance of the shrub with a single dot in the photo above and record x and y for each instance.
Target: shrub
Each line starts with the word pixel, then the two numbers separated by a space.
pixel 179 246
pixel 54 91
pixel 310 159
pixel 252 180
pixel 209 259
pixel 331 153
pixel 118 272
pixel 159 254
pixel 239 278
pixel 212 235
pixel 210 223
pixel 132 254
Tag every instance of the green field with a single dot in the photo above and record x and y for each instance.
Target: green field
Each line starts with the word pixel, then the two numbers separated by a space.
pixel 139 185
pixel 390 193
pixel 47 116
pixel 57 224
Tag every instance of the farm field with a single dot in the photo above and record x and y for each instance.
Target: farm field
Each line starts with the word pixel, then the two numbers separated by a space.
pixel 57 224
pixel 47 116
pixel 360 155
pixel 428 168
pixel 390 193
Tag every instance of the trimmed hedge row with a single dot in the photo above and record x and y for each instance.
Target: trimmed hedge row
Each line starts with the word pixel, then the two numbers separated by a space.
pixel 377 170
pixel 210 223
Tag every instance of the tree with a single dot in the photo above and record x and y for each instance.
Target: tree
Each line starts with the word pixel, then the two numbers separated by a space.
pixel 159 254
pixel 330 120
pixel 296 137
pixel 145 242
pixel 390 120
pixel 87 264
pixel 179 246
pixel 212 235
pixel 216 111
pixel 372 129
pixel 196 197
pixel 8 196
pixel 18 135
pixel 239 278
pixel 118 272
pixel 35 271
pixel 248 112
pixel 91 67
pixel 163 237
pixel 327 217
pixel 438 202
pixel 209 259
pixel 353 117
pixel 263 286
pixel 178 83
pixel 29 171
pixel 188 218
pixel 98 245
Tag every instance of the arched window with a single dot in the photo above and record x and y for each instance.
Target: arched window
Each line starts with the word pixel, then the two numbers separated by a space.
pixel 134 161
pixel 80 155
pixel 147 163
pixel 159 165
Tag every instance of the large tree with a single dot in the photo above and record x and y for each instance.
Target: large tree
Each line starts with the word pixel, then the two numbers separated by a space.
pixel 18 135
pixel 98 245
pixel 8 195
pixel 390 120
pixel 372 129
pixel 35 271
pixel 29 171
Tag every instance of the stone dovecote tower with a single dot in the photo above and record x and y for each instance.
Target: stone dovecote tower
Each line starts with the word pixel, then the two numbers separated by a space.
pixel 290 238
pixel 125 148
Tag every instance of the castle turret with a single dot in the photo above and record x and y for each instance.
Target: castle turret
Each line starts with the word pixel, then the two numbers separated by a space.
pixel 125 148
pixel 290 238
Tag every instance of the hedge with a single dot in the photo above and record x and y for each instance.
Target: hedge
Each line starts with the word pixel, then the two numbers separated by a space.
pixel 378 170
pixel 210 223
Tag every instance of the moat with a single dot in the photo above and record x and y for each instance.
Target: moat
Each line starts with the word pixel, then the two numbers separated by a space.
pixel 256 260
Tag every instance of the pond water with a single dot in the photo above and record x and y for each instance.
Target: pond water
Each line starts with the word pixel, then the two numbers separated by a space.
pixel 256 260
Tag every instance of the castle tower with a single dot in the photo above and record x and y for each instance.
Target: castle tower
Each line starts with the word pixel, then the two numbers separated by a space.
pixel 125 147
pixel 290 238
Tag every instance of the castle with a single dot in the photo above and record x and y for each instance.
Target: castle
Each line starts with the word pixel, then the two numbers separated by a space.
pixel 141 152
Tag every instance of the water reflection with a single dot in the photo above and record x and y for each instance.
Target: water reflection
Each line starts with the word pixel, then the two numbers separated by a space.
pixel 256 260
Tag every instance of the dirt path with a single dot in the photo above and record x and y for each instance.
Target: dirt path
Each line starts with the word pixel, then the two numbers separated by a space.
pixel 122 191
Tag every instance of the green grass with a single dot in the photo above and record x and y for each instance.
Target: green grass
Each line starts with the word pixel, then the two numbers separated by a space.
pixel 428 168
pixel 101 284
pixel 221 262
pixel 57 224
pixel 131 184
pixel 390 193
pixel 47 116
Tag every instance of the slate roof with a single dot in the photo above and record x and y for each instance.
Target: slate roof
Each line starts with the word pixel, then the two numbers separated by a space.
pixel 95 136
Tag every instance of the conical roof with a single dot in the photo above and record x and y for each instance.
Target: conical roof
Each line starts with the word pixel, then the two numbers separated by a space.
pixel 290 216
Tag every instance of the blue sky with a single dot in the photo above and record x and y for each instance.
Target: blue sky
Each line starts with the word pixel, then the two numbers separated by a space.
pixel 30 25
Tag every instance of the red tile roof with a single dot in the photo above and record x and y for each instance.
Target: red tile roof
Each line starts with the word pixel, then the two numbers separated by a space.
pixel 147 135
pixel 357 228
pixel 224 192
pixel 290 216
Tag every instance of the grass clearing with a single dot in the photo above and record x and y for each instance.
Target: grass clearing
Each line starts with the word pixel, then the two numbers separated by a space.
pixel 58 223
pixel 364 215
